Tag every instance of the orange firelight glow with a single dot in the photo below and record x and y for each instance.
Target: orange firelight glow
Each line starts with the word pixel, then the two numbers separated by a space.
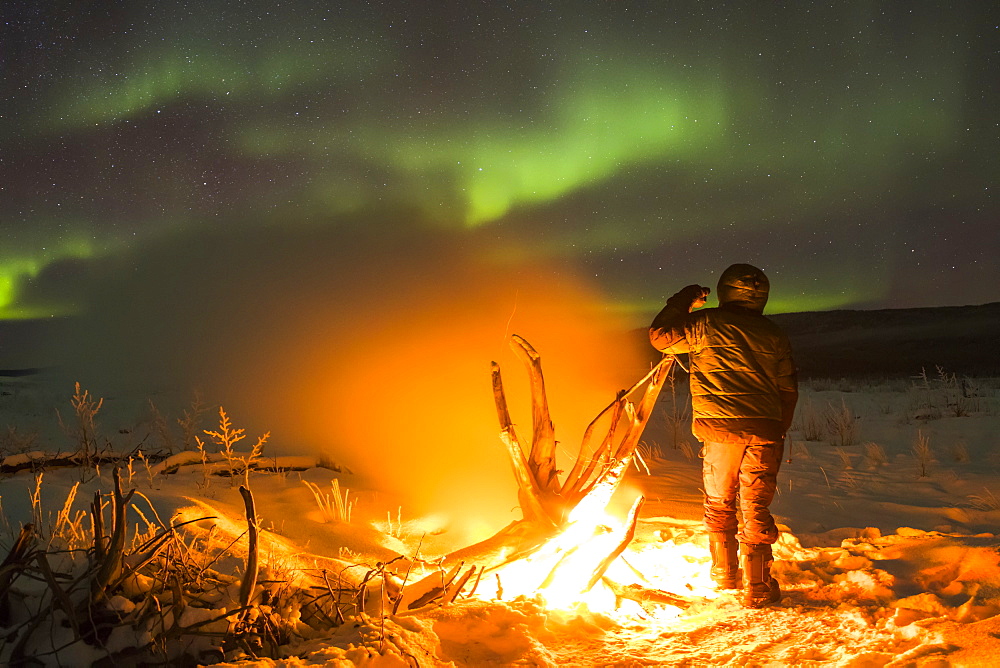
pixel 407 396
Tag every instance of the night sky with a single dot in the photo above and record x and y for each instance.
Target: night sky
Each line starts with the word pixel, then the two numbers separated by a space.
pixel 850 149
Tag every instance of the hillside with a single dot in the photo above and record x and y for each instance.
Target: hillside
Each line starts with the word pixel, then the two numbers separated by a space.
pixel 960 339
pixel 894 342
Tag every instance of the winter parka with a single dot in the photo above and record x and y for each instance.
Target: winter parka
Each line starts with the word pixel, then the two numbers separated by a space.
pixel 743 381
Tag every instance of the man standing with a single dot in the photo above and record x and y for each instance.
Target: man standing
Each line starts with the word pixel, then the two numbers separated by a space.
pixel 743 395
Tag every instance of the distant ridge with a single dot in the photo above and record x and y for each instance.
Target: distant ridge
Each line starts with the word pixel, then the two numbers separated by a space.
pixel 959 339
pixel 16 373
pixel 827 344
pixel 964 340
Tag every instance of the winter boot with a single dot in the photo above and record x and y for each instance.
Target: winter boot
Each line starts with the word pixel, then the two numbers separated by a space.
pixel 760 589
pixel 725 562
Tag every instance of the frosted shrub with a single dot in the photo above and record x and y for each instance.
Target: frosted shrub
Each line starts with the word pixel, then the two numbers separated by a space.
pixel 811 423
pixel 189 422
pixel 842 424
pixel 969 399
pixel 13 442
pixel 677 416
pixel 83 430
pixel 831 385
pixel 226 438
pixel 944 395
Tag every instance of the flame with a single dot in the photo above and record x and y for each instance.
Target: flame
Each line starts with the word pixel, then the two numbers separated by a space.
pixel 558 573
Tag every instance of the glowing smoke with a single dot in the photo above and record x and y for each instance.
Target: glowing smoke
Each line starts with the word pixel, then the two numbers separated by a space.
pixel 373 351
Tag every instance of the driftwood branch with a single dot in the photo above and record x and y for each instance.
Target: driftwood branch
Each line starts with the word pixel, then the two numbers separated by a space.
pixel 583 468
pixel 530 491
pixel 454 591
pixel 60 597
pixel 543 440
pixel 97 512
pixel 250 577
pixel 602 568
pixel 430 588
pixel 625 435
pixel 41 461
pixel 543 499
pixel 645 596
pixel 546 503
pixel 111 565
pixel 12 566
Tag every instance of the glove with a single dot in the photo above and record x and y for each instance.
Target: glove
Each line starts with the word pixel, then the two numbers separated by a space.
pixel 689 298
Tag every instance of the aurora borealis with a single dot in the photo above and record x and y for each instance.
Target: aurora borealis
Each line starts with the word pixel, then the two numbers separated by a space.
pixel 850 149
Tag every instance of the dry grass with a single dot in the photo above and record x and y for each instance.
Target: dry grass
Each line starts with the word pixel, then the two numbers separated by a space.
pixel 922 452
pixel 797 449
pixel 645 453
pixel 845 458
pixel 176 592
pixel 875 455
pixel 392 527
pixel 335 505
pixel 160 586
pixel 959 452
pixel 987 501
pixel 688 450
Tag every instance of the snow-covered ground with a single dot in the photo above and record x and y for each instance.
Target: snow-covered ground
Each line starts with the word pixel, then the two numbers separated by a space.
pixel 889 499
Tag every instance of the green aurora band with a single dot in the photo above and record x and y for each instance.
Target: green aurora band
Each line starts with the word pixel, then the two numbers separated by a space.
pixel 708 126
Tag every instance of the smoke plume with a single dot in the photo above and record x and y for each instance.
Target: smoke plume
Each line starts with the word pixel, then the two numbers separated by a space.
pixel 371 350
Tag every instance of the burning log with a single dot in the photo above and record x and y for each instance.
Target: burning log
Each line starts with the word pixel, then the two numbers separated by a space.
pixel 544 500
pixel 645 596
pixel 602 568
pixel 438 586
pixel 551 507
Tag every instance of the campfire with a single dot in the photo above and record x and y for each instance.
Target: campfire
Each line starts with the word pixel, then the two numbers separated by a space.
pixel 567 548
pixel 208 574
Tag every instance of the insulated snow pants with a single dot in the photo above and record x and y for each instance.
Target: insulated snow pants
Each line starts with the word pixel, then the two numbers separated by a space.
pixel 746 475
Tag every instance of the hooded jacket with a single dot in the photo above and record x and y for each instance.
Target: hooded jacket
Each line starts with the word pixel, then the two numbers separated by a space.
pixel 743 383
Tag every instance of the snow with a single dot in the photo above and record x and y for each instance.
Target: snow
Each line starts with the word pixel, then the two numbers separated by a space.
pixel 888 554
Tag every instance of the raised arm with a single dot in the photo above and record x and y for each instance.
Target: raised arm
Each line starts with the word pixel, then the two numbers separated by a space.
pixel 667 331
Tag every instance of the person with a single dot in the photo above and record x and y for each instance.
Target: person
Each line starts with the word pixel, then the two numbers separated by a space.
pixel 743 394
